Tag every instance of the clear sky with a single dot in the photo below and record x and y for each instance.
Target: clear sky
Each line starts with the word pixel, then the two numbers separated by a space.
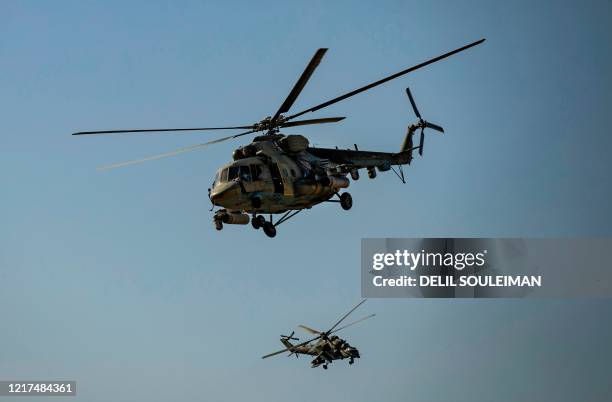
pixel 118 279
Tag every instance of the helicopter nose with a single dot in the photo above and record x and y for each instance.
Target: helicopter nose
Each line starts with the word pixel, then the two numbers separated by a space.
pixel 222 192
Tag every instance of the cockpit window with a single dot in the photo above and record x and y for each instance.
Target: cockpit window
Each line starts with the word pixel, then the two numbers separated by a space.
pixel 233 173
pixel 245 173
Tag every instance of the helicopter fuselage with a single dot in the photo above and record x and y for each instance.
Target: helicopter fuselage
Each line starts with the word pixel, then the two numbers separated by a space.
pixel 325 350
pixel 265 178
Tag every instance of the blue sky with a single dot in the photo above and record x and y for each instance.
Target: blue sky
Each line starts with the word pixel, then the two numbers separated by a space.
pixel 118 279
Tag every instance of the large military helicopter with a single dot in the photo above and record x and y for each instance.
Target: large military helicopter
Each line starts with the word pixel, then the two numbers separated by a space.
pixel 323 347
pixel 283 174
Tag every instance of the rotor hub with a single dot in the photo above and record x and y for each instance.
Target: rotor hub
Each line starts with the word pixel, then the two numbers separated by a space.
pixel 270 125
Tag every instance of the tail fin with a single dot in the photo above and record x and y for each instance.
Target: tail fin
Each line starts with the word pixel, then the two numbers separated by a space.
pixel 408 145
pixel 287 344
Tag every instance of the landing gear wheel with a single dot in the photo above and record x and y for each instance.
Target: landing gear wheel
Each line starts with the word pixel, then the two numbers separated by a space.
pixel 346 201
pixel 325 367
pixel 218 225
pixel 351 361
pixel 258 222
pixel 269 229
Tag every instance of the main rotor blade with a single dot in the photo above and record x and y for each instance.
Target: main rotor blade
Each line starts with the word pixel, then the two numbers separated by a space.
pixel 313 121
pixel 412 102
pixel 172 153
pixel 301 82
pixel 346 315
pixel 353 323
pixel 308 329
pixel 434 126
pixel 382 81
pixel 152 130
pixel 288 349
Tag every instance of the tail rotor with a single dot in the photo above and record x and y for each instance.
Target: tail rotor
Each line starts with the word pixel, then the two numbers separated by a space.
pixel 290 337
pixel 422 124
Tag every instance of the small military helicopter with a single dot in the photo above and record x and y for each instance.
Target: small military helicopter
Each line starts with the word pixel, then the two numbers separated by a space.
pixel 283 174
pixel 323 347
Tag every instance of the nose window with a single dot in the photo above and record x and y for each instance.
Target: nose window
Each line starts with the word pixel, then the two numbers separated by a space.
pixel 224 176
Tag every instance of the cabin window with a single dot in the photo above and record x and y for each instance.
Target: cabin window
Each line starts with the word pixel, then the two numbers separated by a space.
pixel 256 172
pixel 224 176
pixel 245 173
pixel 233 173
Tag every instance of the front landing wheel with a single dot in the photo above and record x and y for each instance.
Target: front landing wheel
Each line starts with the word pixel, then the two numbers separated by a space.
pixel 258 221
pixel 269 229
pixel 346 201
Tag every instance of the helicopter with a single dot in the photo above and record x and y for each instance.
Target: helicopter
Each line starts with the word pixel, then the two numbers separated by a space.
pixel 283 174
pixel 325 347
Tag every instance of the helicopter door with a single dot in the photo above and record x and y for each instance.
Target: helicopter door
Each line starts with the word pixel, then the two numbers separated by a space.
pixel 287 183
pixel 277 180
